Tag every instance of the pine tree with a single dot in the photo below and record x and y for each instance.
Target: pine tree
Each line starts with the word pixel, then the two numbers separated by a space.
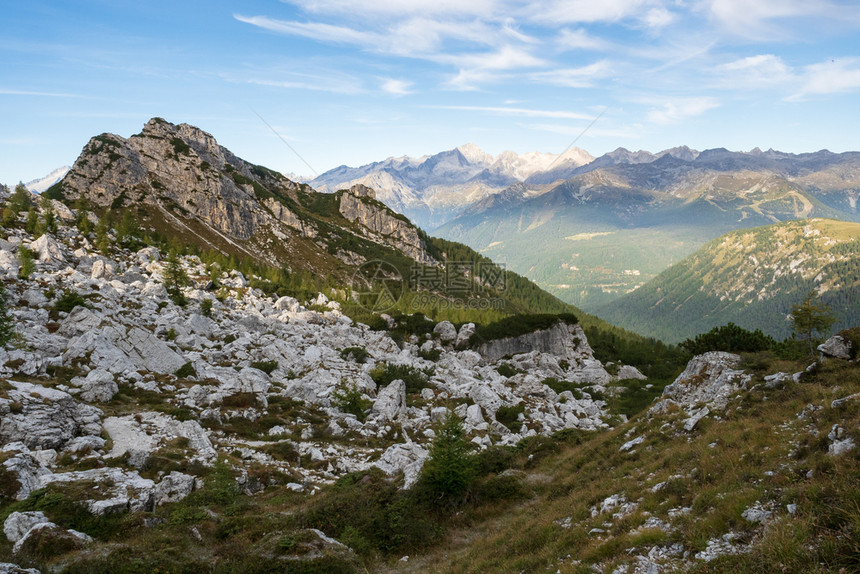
pixel 811 317
pixel 49 215
pixel 175 278
pixel 450 469
pixel 7 327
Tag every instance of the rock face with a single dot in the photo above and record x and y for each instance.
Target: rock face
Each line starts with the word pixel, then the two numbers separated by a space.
pixel 360 206
pixel 561 340
pixel 178 177
pixel 166 162
pixel 45 418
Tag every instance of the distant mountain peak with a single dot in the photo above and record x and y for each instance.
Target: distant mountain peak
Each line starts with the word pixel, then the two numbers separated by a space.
pixel 475 154
pixel 43 183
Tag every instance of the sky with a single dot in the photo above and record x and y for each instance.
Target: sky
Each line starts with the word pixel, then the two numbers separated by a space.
pixel 305 86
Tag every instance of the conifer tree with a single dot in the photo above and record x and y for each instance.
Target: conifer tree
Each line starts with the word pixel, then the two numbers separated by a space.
pixel 7 327
pixel 811 317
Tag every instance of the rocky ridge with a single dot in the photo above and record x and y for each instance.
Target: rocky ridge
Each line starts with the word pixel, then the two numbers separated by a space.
pixel 181 182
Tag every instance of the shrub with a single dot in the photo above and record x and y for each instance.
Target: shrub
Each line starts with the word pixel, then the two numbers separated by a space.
pixel 517 325
pixel 561 386
pixel 185 370
pixel 7 326
pixel 430 354
pixel 206 307
pixel 508 416
pixel 357 354
pixel 730 338
pixel 68 301
pixel 506 370
pixel 265 366
pixel 26 259
pixel 384 373
pixel 348 398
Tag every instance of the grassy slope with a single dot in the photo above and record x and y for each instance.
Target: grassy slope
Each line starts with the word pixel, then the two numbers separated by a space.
pixel 742 278
pixel 760 451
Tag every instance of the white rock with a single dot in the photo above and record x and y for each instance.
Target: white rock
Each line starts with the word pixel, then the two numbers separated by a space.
pixel 56 532
pixel 631 443
pixel 18 524
pixel 48 249
pixel 98 386
pixel 173 488
pixel 837 347
pixel 446 330
pixel 48 417
pixel 390 403
pixel 407 458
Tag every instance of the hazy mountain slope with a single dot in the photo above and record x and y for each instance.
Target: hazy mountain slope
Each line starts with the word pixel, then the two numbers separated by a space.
pixel 750 277
pixel 606 231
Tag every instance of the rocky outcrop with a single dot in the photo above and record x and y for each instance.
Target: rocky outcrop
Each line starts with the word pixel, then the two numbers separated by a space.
pixel 359 205
pixel 837 347
pixel 171 165
pixel 707 384
pixel 44 418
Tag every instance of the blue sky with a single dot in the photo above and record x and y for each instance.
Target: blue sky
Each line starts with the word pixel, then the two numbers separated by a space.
pixel 350 82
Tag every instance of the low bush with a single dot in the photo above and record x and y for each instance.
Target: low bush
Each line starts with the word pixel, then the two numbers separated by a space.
pixel 508 416
pixel 357 354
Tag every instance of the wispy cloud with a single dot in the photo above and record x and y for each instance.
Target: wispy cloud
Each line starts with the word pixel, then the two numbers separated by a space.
pixel 314 30
pixel 764 19
pixel 760 71
pixel 679 109
pixel 396 87
pixel 580 39
pixel 400 7
pixel 522 112
pixel 588 11
pixel 10 92
pixel 834 77
pixel 583 77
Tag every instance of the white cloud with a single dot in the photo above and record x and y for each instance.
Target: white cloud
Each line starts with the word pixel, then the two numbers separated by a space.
pixel 758 19
pixel 400 7
pixel 10 92
pixel 569 11
pixel 522 112
pixel 658 17
pixel 580 39
pixel 834 77
pixel 583 77
pixel 760 71
pixel 314 30
pixel 675 111
pixel 396 87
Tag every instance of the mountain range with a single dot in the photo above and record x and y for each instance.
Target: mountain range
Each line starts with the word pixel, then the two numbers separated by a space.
pixel 430 190
pixel 609 229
